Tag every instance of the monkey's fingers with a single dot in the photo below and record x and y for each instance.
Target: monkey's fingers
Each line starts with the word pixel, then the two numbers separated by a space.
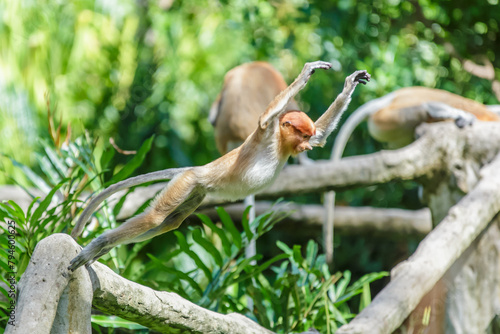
pixel 309 68
pixel 362 77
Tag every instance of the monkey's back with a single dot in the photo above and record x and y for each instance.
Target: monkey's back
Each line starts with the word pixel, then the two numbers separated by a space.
pixel 248 90
pixel 395 123
pixel 413 96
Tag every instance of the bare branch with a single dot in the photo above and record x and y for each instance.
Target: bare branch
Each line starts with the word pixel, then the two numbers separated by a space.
pixel 349 220
pixel 434 256
pixel 47 276
pixel 41 289
pixel 160 310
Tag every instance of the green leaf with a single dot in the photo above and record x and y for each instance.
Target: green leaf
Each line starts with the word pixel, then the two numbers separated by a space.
pixel 48 169
pixel 55 159
pixel 281 245
pixel 246 224
pixel 226 244
pixel 312 252
pixel 9 211
pixel 366 297
pixel 115 322
pixel 228 223
pixel 132 165
pixel 106 157
pixel 32 176
pixel 45 203
pixel 183 244
pixel 20 213
pixel 178 273
pixel 297 256
pixel 262 267
pixel 208 246
pixel 258 302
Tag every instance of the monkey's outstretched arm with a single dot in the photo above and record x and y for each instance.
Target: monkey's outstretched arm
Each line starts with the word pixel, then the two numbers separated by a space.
pixel 165 174
pixel 278 105
pixel 328 121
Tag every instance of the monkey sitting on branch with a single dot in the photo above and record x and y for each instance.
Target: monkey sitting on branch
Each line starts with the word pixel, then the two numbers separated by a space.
pixel 245 170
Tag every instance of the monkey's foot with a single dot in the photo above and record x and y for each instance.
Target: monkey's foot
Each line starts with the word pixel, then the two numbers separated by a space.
pixel 89 254
pixel 442 111
pixel 462 122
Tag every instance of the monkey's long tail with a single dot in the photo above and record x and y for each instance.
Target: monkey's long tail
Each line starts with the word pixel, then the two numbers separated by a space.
pixel 165 174
pixel 354 120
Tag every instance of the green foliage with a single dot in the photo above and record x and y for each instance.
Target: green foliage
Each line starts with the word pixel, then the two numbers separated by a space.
pixel 65 173
pixel 135 69
pixel 209 267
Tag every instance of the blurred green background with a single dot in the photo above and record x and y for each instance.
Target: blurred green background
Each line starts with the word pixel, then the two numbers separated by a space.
pixel 130 69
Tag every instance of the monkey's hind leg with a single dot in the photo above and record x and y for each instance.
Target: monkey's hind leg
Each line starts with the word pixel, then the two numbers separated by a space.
pixel 175 219
pixel 109 239
pixel 181 194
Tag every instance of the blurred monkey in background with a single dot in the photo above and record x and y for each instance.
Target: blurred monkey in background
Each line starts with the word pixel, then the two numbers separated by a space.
pixel 247 91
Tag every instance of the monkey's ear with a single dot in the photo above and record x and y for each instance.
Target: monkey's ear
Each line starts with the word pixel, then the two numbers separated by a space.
pixel 286 123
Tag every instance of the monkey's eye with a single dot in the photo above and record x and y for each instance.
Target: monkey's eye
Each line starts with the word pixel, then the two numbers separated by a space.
pixel 306 136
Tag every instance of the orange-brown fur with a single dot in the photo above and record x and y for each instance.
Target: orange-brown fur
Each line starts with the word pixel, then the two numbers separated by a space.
pixel 247 91
pixel 395 123
pixel 386 118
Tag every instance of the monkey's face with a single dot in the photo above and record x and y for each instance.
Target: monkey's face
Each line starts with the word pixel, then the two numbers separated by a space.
pixel 296 129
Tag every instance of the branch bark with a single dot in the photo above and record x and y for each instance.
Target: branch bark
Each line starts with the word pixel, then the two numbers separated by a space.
pixel 414 161
pixel 40 308
pixel 434 256
pixel 348 220
pixel 43 285
pixel 159 310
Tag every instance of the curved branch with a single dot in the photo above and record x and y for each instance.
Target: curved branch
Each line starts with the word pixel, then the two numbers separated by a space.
pixel 160 310
pixel 413 278
pixel 39 305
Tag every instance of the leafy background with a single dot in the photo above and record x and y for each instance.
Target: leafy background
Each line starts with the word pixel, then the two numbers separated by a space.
pixel 133 69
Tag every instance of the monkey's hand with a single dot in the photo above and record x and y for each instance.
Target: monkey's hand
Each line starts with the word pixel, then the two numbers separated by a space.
pixel 90 253
pixel 354 79
pixel 309 69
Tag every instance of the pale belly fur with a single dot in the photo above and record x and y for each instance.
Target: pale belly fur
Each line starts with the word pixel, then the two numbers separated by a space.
pixel 254 179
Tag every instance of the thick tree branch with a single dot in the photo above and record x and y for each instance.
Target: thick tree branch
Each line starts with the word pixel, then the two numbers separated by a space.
pixel 159 310
pixel 40 310
pixel 348 220
pixel 41 289
pixel 411 162
pixel 434 256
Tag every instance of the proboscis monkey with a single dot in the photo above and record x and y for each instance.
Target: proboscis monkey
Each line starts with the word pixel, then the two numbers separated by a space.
pixel 243 171
pixel 247 91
